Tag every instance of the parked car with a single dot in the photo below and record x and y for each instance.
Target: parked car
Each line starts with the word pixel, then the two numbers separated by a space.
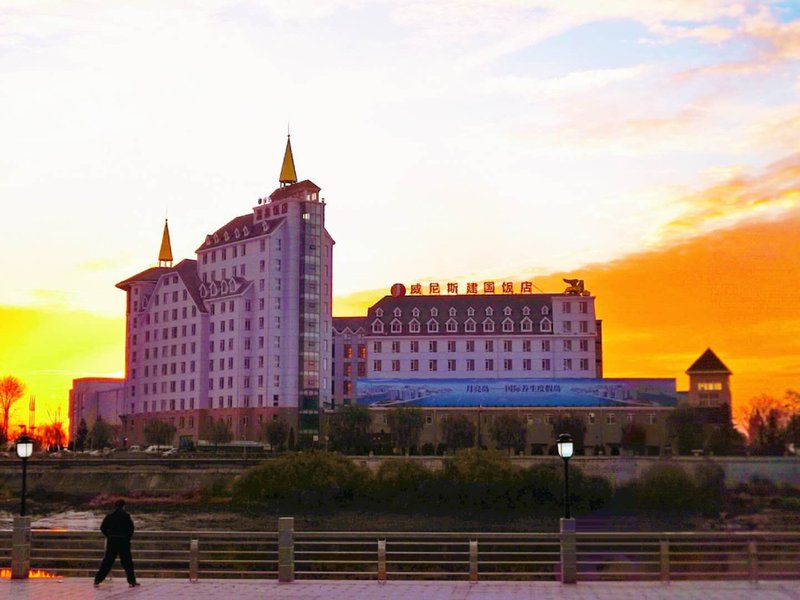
pixel 135 448
pixel 171 452
pixel 153 449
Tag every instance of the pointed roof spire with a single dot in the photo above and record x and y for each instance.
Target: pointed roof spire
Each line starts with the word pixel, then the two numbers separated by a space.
pixel 288 174
pixel 708 363
pixel 165 253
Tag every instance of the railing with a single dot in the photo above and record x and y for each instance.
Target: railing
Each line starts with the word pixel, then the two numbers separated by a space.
pixel 413 555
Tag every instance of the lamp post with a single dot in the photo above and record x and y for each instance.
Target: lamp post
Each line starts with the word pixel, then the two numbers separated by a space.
pixel 565 448
pixel 569 565
pixel 24 449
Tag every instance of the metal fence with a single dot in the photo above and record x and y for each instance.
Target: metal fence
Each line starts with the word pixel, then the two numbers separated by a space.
pixel 413 555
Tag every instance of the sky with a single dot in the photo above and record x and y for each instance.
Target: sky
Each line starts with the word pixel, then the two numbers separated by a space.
pixel 649 148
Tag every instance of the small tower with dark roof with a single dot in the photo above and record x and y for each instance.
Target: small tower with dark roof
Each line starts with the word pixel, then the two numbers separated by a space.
pixel 165 252
pixel 709 384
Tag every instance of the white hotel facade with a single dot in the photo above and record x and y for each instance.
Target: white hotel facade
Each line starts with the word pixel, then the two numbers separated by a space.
pixel 241 333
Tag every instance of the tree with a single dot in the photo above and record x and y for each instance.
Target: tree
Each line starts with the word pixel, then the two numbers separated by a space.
pixel 406 425
pixel 11 390
pixel 217 432
pixel 509 432
pixel 750 415
pixel 348 430
pixel 81 435
pixel 159 433
pixel 574 426
pixel 458 431
pixel 768 434
pixel 290 443
pixel 792 432
pixel 275 433
pixel 686 429
pixel 101 434
pixel 726 440
pixel 634 438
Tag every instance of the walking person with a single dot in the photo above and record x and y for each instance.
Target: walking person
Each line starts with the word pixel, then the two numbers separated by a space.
pixel 118 529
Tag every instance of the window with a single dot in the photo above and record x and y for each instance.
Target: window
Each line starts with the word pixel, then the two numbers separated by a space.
pixel 397 312
pixel 434 312
pixel 583 307
pixel 470 364
pixel 526 325
pixel 508 364
pixel 526 364
pixel 414 346
pixel 395 347
pixel 567 364
pixel 567 326
pixel 546 364
pixel 451 364
pixel 508 346
pixel 545 325
pixel 377 326
pixel 709 386
pixel 583 326
pixel 469 326
pixel 489 311
pixel 376 348
pixel 488 325
pixel 470 345
pixel 566 308
pixel 489 346
pixel 395 365
pixel 567 345
pixel 433 326
pixel 584 364
pixel 629 418
pixel 413 326
pixel 549 419
pixel 508 325
pixel 651 419
pixel 584 345
pixel 452 326
pixel 414 364
pixel 379 312
pixel 415 312
pixel 432 365
pixel 526 345
pixel 376 365
pixel 451 345
pixel 452 312
pixel 396 326
pixel 611 419
pixel 433 346
pixel 488 365
pixel 470 312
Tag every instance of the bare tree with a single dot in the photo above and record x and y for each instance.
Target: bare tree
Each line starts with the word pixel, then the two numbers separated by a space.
pixel 11 390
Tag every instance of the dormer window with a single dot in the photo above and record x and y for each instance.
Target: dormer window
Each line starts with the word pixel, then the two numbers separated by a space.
pixel 452 326
pixel 216 238
pixel 470 312
pixel 526 310
pixel 469 325
pixel 246 231
pixel 413 326
pixel 264 227
pixel 213 289
pixel 434 312
pixel 379 312
pixel 526 324
pixel 226 236
pixel 507 311
pixel 397 326
pixel 433 326
pixel 203 290
pixel 452 312
pixel 415 312
pixel 508 325
pixel 208 240
pixel 489 311
pixel 237 233
pixel 223 286
pixel 397 312
pixel 545 325
pixel 488 325
pixel 232 286
pixel 377 326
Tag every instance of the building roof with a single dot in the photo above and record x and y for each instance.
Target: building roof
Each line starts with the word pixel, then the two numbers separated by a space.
pixel 152 274
pixel 239 229
pixel 294 189
pixel 340 324
pixel 165 252
pixel 187 270
pixel 288 173
pixel 708 363
pixel 535 307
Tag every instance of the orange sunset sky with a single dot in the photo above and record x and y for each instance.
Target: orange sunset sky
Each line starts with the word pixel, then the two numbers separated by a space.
pixel 649 148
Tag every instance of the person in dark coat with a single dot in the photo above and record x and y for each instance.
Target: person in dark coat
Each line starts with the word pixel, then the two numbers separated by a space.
pixel 118 529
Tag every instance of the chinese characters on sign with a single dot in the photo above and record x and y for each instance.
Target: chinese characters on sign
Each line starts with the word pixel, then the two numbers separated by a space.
pixel 507 287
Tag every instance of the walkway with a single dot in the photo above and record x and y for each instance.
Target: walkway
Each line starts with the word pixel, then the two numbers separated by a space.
pixel 175 589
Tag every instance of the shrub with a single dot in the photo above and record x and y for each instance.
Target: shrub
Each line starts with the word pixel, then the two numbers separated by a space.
pixel 401 483
pixel 307 479
pixel 710 480
pixel 665 488
pixel 481 478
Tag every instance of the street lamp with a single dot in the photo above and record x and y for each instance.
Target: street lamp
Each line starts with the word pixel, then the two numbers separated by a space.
pixel 565 447
pixel 24 451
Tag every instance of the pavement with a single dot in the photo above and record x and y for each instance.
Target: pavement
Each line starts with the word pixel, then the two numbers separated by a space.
pixel 182 589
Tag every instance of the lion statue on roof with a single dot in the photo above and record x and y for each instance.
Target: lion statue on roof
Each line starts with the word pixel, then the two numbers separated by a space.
pixel 576 288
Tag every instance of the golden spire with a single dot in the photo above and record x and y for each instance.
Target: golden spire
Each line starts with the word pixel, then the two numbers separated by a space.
pixel 288 174
pixel 165 253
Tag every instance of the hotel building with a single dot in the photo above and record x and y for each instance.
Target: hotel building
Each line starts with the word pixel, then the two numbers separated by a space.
pixel 241 333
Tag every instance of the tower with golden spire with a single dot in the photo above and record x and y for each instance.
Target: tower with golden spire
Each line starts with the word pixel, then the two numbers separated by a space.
pixel 288 174
pixel 165 252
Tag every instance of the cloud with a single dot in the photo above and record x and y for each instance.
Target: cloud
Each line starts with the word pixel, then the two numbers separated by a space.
pixel 572 83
